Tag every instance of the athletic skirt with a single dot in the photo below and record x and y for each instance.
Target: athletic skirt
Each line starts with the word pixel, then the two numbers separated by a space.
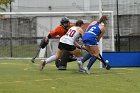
pixel 63 46
pixel 89 39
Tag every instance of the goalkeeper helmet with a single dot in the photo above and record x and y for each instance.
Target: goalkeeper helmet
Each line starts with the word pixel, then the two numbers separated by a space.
pixel 65 22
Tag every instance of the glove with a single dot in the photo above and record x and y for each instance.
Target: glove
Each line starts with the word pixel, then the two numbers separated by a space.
pixel 44 42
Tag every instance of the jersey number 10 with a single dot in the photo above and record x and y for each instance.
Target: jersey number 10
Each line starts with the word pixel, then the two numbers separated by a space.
pixel 70 33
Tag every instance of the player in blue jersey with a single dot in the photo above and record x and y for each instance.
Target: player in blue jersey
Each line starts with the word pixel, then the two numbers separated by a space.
pixel 92 36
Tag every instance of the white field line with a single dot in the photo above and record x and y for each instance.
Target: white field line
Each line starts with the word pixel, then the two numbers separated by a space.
pixel 47 79
pixel 40 80
pixel 125 68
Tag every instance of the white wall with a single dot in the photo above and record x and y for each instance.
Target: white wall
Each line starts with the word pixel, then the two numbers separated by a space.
pixel 46 24
pixel 125 6
pixel 42 5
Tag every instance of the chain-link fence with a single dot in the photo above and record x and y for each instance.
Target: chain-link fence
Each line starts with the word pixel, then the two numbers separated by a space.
pixel 19 37
pixel 126 23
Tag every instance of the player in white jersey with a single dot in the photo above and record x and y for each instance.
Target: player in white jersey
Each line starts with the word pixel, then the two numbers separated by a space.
pixel 68 43
pixel 72 34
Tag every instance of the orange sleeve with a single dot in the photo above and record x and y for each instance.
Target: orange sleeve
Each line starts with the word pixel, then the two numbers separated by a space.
pixel 55 32
pixel 60 31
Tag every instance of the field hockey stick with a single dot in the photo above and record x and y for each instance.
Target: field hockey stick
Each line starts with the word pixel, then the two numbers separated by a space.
pixel 100 58
pixel 107 66
pixel 33 59
pixel 42 45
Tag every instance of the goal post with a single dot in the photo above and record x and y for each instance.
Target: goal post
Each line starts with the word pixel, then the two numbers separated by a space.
pixel 112 32
pixel 39 24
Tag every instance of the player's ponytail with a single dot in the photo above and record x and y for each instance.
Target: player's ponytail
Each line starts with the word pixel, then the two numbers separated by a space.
pixel 103 19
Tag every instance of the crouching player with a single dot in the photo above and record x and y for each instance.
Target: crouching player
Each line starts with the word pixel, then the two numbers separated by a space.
pixel 61 30
pixel 67 43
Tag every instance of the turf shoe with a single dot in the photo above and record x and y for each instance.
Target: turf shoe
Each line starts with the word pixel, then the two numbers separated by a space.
pixel 80 66
pixel 42 65
pixel 87 71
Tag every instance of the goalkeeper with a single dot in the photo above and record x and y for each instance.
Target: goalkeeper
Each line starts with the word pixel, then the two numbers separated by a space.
pixel 60 30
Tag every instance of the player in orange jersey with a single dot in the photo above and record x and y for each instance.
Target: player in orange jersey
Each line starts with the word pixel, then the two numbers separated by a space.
pixel 61 30
pixel 67 43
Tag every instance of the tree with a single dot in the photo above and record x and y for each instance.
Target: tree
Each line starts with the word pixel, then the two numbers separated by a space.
pixel 4 4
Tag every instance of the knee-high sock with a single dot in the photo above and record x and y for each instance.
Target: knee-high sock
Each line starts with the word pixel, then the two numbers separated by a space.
pixel 79 59
pixel 91 61
pixel 51 59
pixel 86 57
